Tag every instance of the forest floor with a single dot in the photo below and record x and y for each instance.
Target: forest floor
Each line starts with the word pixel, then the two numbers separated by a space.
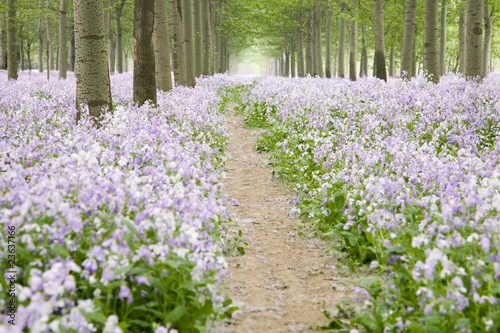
pixel 283 279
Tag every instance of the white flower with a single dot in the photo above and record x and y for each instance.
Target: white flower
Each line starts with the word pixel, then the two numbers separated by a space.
pixel 112 325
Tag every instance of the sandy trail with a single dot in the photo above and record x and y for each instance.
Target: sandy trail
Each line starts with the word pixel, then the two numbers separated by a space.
pixel 283 278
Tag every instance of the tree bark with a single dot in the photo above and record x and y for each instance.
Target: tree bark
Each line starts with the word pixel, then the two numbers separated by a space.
pixel 408 39
pixel 392 62
pixel 363 67
pixel 341 64
pixel 379 40
pixel 39 42
pixel 414 55
pixel 328 41
pixel 442 40
pixel 92 75
pixel 50 48
pixel 119 46
pixel 292 62
pixel 309 58
pixel 197 38
pixel 144 53
pixel 188 41
pixel 205 22
pixel 353 36
pixel 3 49
pixel 319 49
pixel 72 50
pixel 178 50
pixel 431 44
pixel 11 40
pixel 111 41
pixel 287 63
pixel 212 37
pixel 63 56
pixel 488 16
pixel 474 40
pixel 300 47
pixel 461 37
pixel 161 42
pixel 28 54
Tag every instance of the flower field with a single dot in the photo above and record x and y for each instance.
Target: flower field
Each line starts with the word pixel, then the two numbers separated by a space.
pixel 117 229
pixel 407 175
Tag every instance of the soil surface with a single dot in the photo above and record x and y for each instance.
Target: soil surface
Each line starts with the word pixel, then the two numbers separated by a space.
pixel 283 279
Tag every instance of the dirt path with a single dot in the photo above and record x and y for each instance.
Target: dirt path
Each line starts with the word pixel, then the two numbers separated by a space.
pixel 282 280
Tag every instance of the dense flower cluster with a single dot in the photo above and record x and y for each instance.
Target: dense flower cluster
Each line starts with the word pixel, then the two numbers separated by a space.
pixel 118 227
pixel 408 174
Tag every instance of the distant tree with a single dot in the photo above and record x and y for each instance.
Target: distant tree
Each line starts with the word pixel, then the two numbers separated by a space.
pixel 205 22
pixel 189 41
pixel 63 60
pixel 119 33
pixel 353 37
pixel 178 47
pixel 319 52
pixel 408 38
pixel 474 39
pixel 341 63
pixel 379 40
pixel 144 55
pixel 11 40
pixel 197 30
pixel 300 47
pixel 442 39
pixel 161 42
pixel 92 73
pixel 488 20
pixel 431 41
pixel 461 37
pixel 328 41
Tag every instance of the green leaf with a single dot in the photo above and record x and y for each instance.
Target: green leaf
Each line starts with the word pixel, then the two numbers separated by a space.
pixel 175 314
pixel 121 270
pixel 131 227
pixel 396 250
pixel 157 313
pixel 139 322
pixel 156 283
pixel 240 249
pixel 60 251
pixel 173 263
pixel 94 317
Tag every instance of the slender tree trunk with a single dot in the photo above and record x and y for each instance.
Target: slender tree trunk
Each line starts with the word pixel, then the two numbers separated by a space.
pixel 161 42
pixel 374 74
pixel 119 46
pixel 363 68
pixel 341 68
pixel 11 40
pixel 408 38
pixel 287 63
pixel 474 39
pixel 57 57
pixel 3 49
pixel 197 38
pixel 125 67
pixel 63 56
pixel 431 44
pixel 379 40
pixel 144 53
pixel 188 41
pixel 28 54
pixel 442 39
pixel 48 32
pixel 92 76
pixel 178 50
pixel 487 37
pixel 205 22
pixel 39 42
pixel 414 55
pixel 353 37
pixel 462 34
pixel 392 61
pixel 21 54
pixel 319 51
pixel 335 57
pixel 300 47
pixel 309 58
pixel 72 49
pixel 111 41
pixel 292 62
pixel 328 42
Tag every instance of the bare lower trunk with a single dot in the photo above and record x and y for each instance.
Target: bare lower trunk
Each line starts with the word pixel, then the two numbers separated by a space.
pixel 461 36
pixel 92 76
pixel 292 63
pixel 487 37
pixel 39 43
pixel 205 22
pixel 341 70
pixel 287 63
pixel 379 40
pixel 363 67
pixel 335 58
pixel 392 63
pixel 198 54
pixel 309 59
pixel 161 42
pixel 111 41
pixel 144 53
pixel 328 46
pixel 178 50
pixel 28 54
pixel 414 55
pixel 319 51
pixel 72 50
pixel 300 48
pixel 431 41
pixel 474 39
pixel 119 46
pixel 408 39
pixel 442 40
pixel 62 55
pixel 188 41
pixel 11 40
pixel 3 49
pixel 50 48
pixel 353 36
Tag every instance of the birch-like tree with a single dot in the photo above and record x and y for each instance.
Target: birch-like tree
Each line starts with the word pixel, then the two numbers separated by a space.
pixel 161 42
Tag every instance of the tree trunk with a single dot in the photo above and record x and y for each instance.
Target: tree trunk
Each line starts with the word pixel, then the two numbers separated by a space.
pixel 487 37
pixel 198 54
pixel 63 57
pixel 28 54
pixel 461 37
pixel 431 44
pixel 442 40
pixel 111 41
pixel 178 50
pixel 144 53
pixel 392 63
pixel 309 58
pixel 287 63
pixel 474 39
pixel 188 41
pixel 161 42
pixel 363 68
pixel 341 70
pixel 72 50
pixel 125 67
pixel 213 56
pixel 414 55
pixel 379 40
pixel 21 54
pixel 205 22
pixel 39 43
pixel 300 47
pixel 50 49
pixel 292 63
pixel 119 46
pixel 328 41
pixel 353 36
pixel 92 76
pixel 11 40
pixel 335 57
pixel 319 51
pixel 3 49
pixel 408 39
